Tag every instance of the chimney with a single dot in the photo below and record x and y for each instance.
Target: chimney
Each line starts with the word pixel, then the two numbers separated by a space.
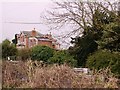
pixel 33 33
pixel 50 35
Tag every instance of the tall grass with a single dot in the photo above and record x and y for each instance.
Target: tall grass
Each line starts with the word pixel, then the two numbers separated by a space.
pixel 36 75
pixel 0 73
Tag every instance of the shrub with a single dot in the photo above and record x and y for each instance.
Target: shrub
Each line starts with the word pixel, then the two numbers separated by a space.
pixel 24 54
pixel 103 59
pixel 8 49
pixel 61 57
pixel 41 53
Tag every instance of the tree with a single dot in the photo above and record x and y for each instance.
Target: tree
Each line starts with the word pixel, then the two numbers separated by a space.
pixel 8 49
pixel 61 57
pixel 89 20
pixel 111 37
pixel 82 48
pixel 109 42
pixel 104 33
pixel 77 13
pixel 41 53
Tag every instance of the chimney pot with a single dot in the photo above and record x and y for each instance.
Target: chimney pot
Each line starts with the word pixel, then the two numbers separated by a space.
pixel 33 33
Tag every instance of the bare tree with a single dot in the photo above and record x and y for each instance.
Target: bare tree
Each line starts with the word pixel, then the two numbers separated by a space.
pixel 77 13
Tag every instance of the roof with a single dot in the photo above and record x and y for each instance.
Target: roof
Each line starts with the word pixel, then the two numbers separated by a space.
pixel 43 38
pixel 28 33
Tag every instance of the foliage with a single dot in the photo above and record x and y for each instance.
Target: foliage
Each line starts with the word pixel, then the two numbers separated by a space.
pixel 104 34
pixel 108 24
pixel 41 53
pixel 87 44
pixel 24 54
pixel 83 47
pixel 111 37
pixel 8 49
pixel 92 22
pixel 102 59
pixel 62 57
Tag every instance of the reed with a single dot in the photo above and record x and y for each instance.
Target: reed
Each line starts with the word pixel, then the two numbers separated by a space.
pixel 35 74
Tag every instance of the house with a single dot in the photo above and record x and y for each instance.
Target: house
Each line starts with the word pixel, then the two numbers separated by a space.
pixel 28 39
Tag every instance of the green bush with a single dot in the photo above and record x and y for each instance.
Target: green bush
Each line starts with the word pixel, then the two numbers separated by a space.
pixel 61 57
pixel 41 53
pixel 102 59
pixel 8 49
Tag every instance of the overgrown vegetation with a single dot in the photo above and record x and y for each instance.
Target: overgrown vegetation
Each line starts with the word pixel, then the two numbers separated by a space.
pixel 31 74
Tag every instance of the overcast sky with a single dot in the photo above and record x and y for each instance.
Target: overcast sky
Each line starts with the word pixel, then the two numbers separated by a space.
pixel 27 11
pixel 22 12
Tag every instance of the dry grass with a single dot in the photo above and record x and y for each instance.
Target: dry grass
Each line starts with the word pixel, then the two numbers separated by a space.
pixel 0 73
pixel 33 75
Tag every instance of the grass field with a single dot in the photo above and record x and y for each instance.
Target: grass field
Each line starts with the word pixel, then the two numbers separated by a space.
pixel 35 75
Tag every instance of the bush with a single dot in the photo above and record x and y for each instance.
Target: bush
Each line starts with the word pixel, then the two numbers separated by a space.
pixel 8 49
pixel 24 54
pixel 61 57
pixel 103 59
pixel 41 53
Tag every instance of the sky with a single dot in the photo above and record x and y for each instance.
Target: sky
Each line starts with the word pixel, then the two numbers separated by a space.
pixel 23 11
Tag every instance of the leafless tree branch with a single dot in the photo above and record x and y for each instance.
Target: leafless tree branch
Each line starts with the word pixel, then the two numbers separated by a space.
pixel 76 12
